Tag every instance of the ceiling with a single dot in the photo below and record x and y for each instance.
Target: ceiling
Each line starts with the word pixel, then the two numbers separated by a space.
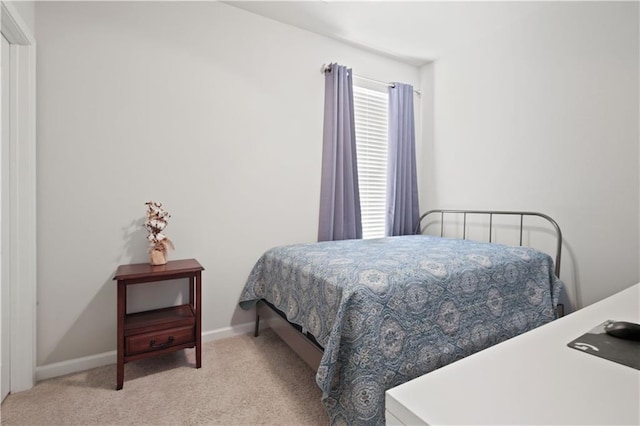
pixel 415 32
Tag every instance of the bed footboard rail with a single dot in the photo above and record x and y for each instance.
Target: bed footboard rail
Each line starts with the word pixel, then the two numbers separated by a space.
pixel 310 352
pixel 491 214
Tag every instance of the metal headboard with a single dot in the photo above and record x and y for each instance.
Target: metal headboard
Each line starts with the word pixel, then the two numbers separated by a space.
pixel 491 214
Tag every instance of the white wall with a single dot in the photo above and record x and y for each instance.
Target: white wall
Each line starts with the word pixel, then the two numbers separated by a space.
pixel 218 113
pixel 209 109
pixel 543 115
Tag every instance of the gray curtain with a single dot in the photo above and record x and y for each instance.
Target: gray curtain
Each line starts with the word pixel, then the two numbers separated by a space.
pixel 402 182
pixel 339 195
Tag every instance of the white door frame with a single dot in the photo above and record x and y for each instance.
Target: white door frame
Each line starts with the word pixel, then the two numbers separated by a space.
pixel 23 198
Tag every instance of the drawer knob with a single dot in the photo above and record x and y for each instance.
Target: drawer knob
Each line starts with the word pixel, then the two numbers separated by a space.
pixel 153 345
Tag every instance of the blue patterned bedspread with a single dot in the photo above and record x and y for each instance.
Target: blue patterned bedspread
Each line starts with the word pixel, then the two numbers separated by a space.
pixel 391 309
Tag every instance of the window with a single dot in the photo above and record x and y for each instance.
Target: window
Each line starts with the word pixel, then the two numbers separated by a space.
pixel 371 117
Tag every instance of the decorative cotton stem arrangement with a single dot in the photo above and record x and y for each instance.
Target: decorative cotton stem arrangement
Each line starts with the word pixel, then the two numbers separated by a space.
pixel 159 244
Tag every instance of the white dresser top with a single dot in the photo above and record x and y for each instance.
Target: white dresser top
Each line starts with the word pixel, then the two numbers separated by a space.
pixel 534 378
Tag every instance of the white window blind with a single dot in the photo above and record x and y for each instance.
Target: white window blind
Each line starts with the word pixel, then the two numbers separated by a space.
pixel 371 118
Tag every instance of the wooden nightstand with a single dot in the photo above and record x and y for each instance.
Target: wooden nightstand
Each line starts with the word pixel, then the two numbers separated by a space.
pixel 150 333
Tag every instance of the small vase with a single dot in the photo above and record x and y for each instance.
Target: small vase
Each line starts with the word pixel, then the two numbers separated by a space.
pixel 158 257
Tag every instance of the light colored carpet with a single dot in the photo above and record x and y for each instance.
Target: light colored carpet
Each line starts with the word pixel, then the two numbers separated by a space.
pixel 243 381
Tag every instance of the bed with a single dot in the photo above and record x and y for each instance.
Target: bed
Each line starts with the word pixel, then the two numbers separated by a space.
pixel 368 315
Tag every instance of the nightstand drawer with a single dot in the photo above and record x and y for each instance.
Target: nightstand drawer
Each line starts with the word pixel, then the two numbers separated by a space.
pixel 162 339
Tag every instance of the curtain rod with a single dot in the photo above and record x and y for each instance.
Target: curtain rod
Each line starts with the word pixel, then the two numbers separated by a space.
pixel 326 68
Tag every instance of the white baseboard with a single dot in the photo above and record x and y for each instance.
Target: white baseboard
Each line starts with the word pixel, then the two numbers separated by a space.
pixel 57 369
pixel 74 365
pixel 223 333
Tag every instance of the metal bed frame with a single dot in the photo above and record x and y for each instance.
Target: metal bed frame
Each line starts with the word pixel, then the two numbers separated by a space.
pixel 491 214
pixel 311 352
pixel 301 344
